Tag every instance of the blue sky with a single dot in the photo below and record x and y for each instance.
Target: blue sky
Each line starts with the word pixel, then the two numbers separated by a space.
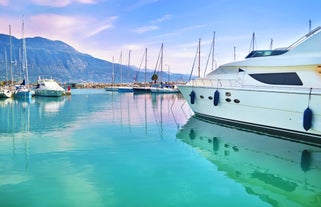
pixel 104 28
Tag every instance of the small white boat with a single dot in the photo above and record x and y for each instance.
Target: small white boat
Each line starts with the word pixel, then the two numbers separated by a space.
pixel 48 87
pixel 278 90
pixel 5 93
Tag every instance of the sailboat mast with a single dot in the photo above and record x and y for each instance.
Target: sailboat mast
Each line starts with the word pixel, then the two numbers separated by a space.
pixel 6 61
pixel 128 64
pixel 121 69
pixel 113 73
pixel 199 58
pixel 213 60
pixel 24 55
pixel 10 60
pixel 161 63
pixel 145 65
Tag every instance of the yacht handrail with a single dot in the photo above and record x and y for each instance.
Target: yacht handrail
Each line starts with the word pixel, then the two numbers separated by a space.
pixel 308 35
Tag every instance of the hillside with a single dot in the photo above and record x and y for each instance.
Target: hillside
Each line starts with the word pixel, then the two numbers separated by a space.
pixel 62 62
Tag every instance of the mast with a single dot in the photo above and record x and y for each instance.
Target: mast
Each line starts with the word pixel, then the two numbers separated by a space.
pixel 213 60
pixel 234 53
pixel 24 55
pixel 6 61
pixel 199 58
pixel 271 44
pixel 121 69
pixel 161 63
pixel 128 65
pixel 113 74
pixel 10 60
pixel 145 66
pixel 252 45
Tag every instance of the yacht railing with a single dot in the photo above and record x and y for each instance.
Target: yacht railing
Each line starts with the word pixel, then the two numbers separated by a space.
pixel 299 41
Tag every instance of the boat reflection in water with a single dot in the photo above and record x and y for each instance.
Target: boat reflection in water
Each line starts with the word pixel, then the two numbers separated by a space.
pixel 31 115
pixel 279 171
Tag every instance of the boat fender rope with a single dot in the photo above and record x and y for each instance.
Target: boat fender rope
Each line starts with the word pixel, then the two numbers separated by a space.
pixel 192 95
pixel 307 119
pixel 216 98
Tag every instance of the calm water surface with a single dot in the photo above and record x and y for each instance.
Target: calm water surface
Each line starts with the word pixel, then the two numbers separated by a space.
pixel 98 148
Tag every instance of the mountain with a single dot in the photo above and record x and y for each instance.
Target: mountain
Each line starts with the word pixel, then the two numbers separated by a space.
pixel 64 63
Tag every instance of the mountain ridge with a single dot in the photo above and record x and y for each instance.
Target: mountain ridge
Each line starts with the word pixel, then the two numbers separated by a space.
pixel 64 63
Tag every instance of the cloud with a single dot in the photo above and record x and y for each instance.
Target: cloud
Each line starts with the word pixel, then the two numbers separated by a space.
pixel 62 27
pixel 162 19
pixel 107 24
pixel 61 3
pixel 144 29
pixel 4 2
pixel 141 3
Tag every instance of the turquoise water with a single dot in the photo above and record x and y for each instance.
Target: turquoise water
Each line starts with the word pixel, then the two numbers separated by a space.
pixel 98 148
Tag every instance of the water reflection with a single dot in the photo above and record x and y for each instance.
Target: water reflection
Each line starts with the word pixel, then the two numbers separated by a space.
pixel 23 116
pixel 43 114
pixel 280 172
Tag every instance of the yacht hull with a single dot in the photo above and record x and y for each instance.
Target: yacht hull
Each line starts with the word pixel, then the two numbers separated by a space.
pixel 280 111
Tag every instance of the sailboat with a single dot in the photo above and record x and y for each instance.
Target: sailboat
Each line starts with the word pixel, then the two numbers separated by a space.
pixel 125 88
pixel 161 87
pixel 5 92
pixel 145 88
pixel 112 88
pixel 23 90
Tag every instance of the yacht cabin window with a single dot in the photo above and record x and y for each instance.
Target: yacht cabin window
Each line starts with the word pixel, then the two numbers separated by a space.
pixel 278 78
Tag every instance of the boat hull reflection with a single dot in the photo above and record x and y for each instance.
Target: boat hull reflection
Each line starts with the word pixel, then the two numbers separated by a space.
pixel 279 171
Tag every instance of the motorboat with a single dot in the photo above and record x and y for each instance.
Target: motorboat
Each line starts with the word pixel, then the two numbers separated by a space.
pixel 275 90
pixel 48 87
pixel 5 93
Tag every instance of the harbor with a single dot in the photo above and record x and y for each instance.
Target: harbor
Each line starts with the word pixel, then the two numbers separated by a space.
pixel 103 148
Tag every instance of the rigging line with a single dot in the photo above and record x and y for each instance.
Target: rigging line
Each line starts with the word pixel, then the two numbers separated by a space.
pixel 208 58
pixel 140 65
pixel 158 59
pixel 195 58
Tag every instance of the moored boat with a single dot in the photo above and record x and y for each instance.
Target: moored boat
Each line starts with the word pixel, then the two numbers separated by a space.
pixel 5 93
pixel 23 91
pixel 163 88
pixel 48 87
pixel 278 90
pixel 125 89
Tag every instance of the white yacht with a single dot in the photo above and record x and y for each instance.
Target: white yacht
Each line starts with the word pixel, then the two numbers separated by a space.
pixel 48 87
pixel 277 90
